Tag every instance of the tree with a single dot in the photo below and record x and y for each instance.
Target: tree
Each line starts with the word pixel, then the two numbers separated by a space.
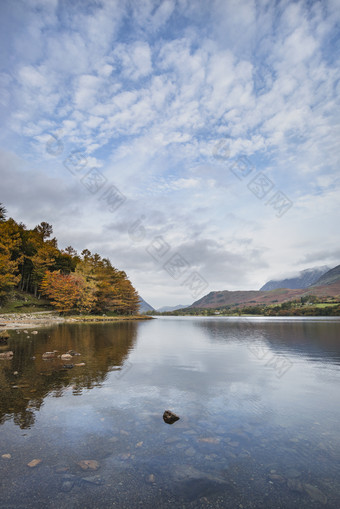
pixel 63 290
pixel 9 257
pixel 3 213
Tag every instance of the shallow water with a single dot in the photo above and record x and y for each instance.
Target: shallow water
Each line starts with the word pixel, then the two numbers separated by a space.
pixel 258 401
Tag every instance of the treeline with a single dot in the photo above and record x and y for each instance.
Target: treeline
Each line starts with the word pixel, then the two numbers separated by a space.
pixel 31 261
pixel 309 305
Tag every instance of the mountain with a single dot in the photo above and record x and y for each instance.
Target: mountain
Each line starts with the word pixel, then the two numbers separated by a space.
pixel 164 309
pixel 330 277
pixel 144 306
pixel 256 297
pixel 305 278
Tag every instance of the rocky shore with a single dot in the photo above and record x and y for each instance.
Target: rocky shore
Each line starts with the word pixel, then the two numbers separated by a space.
pixel 46 318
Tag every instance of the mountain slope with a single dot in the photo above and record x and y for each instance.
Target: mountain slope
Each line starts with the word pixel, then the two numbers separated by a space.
pixel 144 306
pixel 253 297
pixel 305 278
pixel 165 309
pixel 330 277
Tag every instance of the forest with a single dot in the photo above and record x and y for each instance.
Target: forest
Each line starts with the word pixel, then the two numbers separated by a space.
pixel 31 262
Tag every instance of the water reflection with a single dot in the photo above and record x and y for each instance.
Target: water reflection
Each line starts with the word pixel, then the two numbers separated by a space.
pixel 312 338
pixel 28 379
pixel 245 436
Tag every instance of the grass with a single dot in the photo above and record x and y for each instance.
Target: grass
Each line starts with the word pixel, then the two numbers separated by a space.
pixel 101 318
pixel 21 302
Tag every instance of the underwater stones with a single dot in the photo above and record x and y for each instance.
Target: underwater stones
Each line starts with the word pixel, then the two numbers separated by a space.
pixel 49 355
pixel 6 355
pixel 88 464
pixel 66 357
pixel 34 463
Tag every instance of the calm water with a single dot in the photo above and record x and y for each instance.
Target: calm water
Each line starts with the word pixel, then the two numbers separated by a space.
pixel 258 401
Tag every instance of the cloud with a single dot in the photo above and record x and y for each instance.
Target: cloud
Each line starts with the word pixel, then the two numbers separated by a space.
pixel 146 91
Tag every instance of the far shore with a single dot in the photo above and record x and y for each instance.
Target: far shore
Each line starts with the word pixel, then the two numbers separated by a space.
pixel 45 318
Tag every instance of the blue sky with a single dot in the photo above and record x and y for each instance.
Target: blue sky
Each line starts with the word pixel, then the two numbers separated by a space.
pixel 194 143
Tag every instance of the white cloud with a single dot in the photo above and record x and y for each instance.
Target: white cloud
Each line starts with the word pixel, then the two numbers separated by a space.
pixel 148 90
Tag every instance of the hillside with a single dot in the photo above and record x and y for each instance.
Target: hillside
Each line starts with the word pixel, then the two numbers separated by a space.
pixel 144 306
pixel 329 278
pixel 253 297
pixel 304 279
pixel 166 309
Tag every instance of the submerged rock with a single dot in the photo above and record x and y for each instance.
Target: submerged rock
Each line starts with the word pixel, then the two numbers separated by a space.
pixel 88 464
pixel 34 463
pixel 66 357
pixel 72 352
pixel 4 336
pixel 315 494
pixel 6 355
pixel 93 479
pixel 49 355
pixel 169 417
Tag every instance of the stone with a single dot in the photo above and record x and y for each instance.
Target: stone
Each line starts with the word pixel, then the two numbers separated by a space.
pixel 68 366
pixel 4 336
pixel 315 494
pixel 6 355
pixel 125 456
pixel 169 417
pixel 6 456
pixel 88 464
pixel 67 486
pixel 295 485
pixel 80 364
pixel 34 332
pixel 48 355
pixel 139 444
pixel 73 353
pixel 66 357
pixel 277 478
pixel 34 463
pixel 151 478
pixel 209 440
pixel 93 479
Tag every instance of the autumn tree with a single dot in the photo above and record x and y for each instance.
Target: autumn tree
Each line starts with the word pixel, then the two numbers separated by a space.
pixel 9 257
pixel 62 290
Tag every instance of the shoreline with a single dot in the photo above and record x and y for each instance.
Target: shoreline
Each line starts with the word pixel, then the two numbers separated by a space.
pixel 13 321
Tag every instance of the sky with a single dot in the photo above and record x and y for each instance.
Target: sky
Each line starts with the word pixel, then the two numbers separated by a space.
pixel 194 143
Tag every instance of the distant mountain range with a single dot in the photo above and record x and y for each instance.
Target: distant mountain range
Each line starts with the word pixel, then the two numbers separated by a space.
pixel 330 277
pixel 165 309
pixel 327 285
pixel 304 279
pixel 144 306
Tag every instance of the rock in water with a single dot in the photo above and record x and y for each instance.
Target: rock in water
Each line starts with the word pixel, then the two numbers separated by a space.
pixel 6 355
pixel 88 464
pixel 4 336
pixel 169 417
pixel 34 463
pixel 66 357
pixel 315 494
pixel 48 355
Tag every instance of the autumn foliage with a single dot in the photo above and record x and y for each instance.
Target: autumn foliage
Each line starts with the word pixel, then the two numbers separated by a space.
pixel 31 261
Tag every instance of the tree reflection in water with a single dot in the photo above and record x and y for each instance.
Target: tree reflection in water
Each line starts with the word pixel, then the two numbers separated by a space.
pixel 103 348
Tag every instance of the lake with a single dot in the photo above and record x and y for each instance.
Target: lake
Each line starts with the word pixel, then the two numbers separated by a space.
pixel 258 401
